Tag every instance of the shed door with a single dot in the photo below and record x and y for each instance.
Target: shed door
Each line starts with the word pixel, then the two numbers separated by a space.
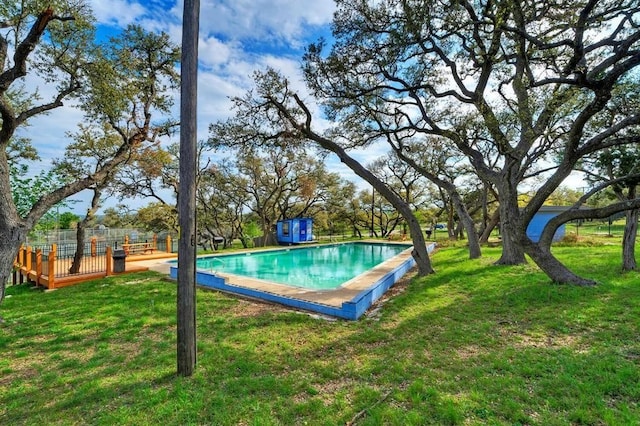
pixel 303 230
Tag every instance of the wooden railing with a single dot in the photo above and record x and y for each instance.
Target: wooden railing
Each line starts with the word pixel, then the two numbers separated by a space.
pixel 139 248
pixel 147 247
pixel 51 267
pixel 47 270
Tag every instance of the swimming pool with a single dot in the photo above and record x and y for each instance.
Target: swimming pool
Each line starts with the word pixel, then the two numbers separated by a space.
pixel 348 300
pixel 319 267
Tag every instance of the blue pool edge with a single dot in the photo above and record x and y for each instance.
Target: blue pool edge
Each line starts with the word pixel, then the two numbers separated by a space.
pixel 350 310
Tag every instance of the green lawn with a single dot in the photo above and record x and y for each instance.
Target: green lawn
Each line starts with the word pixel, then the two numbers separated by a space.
pixel 473 344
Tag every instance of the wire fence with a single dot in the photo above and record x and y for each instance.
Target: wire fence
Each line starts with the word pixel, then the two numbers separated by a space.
pixel 113 236
pixel 170 245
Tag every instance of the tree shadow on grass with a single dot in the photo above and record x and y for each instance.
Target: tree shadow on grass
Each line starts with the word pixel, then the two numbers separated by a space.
pixel 473 341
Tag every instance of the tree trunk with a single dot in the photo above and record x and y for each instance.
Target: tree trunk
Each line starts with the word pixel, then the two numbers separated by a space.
pixel 629 241
pixel 82 226
pixel 11 238
pixel 266 230
pixel 77 258
pixel 485 207
pixel 467 222
pixel 419 253
pixel 13 231
pixel 552 267
pixel 512 253
pixel 357 232
pixel 490 226
pixel 511 230
pixel 451 228
pixel 455 200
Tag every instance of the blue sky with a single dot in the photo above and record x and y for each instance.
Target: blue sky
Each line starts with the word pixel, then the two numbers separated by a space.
pixel 237 37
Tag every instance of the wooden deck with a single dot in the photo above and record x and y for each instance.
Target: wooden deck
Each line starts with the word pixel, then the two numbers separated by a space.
pixel 91 267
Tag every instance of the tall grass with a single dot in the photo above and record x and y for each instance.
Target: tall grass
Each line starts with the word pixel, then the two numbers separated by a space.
pixel 473 344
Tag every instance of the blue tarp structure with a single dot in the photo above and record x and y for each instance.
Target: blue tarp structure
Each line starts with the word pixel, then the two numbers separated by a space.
pixel 540 219
pixel 295 231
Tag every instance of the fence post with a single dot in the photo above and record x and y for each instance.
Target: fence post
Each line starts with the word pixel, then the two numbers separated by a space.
pixel 109 260
pixel 169 248
pixel 16 268
pixel 51 278
pixel 27 262
pixel 155 242
pixel 94 246
pixel 21 263
pixel 38 266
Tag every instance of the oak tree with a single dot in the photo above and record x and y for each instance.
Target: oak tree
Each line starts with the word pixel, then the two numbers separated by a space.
pixel 534 78
pixel 110 82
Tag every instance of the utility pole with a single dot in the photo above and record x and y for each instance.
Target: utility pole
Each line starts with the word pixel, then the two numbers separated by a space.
pixel 186 303
pixel 373 204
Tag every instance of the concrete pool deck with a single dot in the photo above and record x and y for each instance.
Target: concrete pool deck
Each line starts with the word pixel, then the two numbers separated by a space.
pixel 348 301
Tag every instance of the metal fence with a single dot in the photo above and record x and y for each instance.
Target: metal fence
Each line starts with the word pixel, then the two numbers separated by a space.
pixel 93 261
pixel 113 236
pixel 66 240
pixel 172 242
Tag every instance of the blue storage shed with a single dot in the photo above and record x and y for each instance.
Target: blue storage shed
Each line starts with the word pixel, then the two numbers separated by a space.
pixel 540 219
pixel 295 231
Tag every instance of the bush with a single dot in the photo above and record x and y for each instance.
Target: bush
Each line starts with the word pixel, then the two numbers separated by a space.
pixel 573 239
pixel 570 238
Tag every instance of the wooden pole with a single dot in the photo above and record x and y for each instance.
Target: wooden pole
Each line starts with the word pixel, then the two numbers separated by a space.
pixel 38 266
pixel 186 339
pixel 51 273
pixel 21 257
pixel 27 262
pixel 109 261
pixel 94 247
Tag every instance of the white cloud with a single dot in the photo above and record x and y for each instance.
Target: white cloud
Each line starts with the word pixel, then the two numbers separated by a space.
pixel 287 23
pixel 236 38
pixel 270 20
pixel 119 13
pixel 215 54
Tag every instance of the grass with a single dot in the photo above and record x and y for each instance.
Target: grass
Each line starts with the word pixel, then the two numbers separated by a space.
pixel 473 344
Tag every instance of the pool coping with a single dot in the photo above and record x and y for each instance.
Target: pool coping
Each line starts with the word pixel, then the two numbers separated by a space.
pixel 348 301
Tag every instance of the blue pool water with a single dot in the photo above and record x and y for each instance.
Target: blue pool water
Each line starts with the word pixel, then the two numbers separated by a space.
pixel 318 268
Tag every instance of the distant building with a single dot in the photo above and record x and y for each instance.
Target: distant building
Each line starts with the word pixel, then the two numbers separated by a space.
pixel 295 231
pixel 540 219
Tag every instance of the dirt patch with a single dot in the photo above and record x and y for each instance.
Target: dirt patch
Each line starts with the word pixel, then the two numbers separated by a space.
pixel 398 288
pixel 550 341
pixel 145 280
pixel 248 308
pixel 468 352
